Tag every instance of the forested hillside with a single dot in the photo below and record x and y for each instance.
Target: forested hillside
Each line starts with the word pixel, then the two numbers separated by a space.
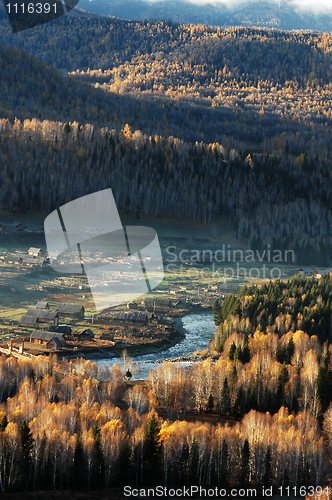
pixel 152 175
pixel 30 89
pixel 272 382
pixel 278 338
pixel 280 308
pixel 76 425
pixel 241 82
pixel 269 13
pixel 281 14
pixel 257 100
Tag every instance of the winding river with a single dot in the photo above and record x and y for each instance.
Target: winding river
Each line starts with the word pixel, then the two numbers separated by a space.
pixel 198 330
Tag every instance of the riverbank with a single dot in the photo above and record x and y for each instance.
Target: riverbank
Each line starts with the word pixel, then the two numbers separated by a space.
pixel 194 333
pixel 114 352
pixel 174 335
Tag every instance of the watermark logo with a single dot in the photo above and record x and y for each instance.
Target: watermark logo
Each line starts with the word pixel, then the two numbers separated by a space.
pixel 86 236
pixel 26 14
pixel 227 263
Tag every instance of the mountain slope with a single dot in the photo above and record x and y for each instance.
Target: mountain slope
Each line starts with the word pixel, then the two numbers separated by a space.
pixel 29 88
pixel 193 82
pixel 262 14
pixel 271 175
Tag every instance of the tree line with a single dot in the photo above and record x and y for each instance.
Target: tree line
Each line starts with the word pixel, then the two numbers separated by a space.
pixel 281 307
pixel 62 427
pixel 269 172
pixel 269 387
pixel 164 176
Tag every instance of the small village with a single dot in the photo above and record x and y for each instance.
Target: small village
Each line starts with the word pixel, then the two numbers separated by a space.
pixel 70 329
pixel 64 328
pixel 62 320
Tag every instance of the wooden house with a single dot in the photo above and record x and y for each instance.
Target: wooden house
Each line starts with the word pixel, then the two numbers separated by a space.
pixel 151 303
pixel 35 252
pixel 63 329
pixel 126 317
pixel 42 305
pixel 29 260
pixel 33 317
pixel 50 339
pixel 306 271
pixel 86 334
pixel 74 311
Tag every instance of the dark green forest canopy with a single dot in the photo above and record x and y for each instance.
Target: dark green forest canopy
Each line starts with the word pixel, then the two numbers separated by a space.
pixel 279 307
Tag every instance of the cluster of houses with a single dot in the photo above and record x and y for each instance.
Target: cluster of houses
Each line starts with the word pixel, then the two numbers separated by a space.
pixel 42 314
pixel 55 339
pixel 53 336
pixel 151 303
pixel 314 272
pixel 33 257
pixel 130 317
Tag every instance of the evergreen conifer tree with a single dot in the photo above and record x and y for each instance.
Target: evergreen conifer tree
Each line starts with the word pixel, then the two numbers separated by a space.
pixel 267 479
pixel 152 451
pixel 79 469
pixel 3 423
pixel 245 463
pixel 225 400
